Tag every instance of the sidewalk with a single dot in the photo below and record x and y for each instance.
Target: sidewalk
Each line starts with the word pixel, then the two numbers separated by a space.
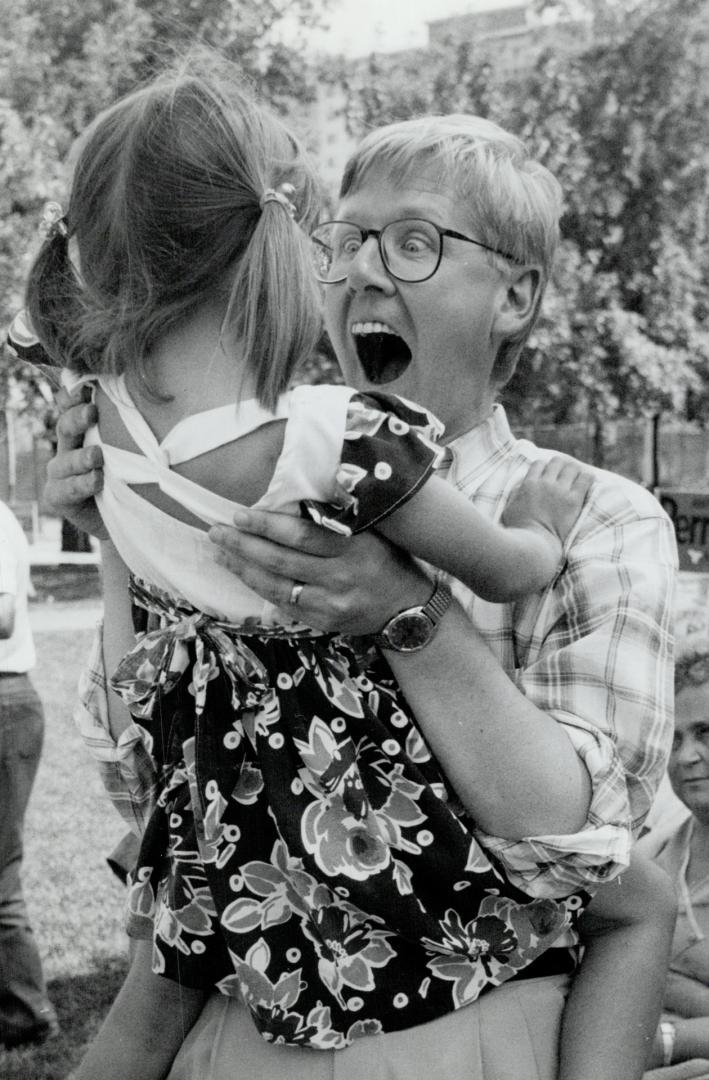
pixel 46 549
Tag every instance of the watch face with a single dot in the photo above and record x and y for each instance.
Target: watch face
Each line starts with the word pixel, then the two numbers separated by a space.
pixel 409 631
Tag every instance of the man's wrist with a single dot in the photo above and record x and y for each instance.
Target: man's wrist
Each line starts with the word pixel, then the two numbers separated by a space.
pixel 413 628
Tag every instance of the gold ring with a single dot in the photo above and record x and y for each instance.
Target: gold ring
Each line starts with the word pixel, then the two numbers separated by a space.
pixel 295 593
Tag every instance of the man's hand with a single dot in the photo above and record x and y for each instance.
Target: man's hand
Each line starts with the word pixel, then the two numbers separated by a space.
pixel 351 585
pixel 75 473
pixel 696 1069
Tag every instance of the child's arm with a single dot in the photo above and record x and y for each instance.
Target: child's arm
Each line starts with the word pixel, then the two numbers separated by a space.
pixel 499 562
pixel 613 1009
pixel 118 632
pixel 145 1026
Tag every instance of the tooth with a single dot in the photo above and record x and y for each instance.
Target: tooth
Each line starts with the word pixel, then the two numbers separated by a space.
pixel 371 328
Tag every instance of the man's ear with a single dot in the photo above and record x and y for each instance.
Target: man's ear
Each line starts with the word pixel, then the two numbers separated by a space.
pixel 519 301
pixel 518 305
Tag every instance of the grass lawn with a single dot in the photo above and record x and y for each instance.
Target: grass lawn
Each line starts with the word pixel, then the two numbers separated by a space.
pixel 75 901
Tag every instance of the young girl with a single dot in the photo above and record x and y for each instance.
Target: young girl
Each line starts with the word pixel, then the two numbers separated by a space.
pixel 305 850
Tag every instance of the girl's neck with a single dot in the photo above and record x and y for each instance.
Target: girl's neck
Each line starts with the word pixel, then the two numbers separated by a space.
pixel 194 366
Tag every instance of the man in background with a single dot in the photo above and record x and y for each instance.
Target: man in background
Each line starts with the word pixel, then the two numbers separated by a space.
pixel 26 1015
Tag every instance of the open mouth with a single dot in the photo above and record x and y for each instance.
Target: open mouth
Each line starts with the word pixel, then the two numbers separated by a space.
pixel 384 355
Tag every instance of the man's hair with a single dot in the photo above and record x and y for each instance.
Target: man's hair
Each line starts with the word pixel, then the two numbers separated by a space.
pixel 165 212
pixel 514 202
pixel 691 662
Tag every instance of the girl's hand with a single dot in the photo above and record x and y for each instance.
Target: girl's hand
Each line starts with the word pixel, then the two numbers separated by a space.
pixel 550 497
pixel 75 473
pixel 351 584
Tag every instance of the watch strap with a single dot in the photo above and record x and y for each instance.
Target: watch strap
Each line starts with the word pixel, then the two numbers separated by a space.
pixel 439 602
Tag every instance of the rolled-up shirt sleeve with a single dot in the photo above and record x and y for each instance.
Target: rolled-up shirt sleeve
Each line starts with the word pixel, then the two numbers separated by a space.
pixel 126 765
pixel 600 663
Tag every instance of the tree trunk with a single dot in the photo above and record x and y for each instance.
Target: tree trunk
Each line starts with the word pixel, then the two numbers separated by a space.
pixel 598 452
pixel 74 539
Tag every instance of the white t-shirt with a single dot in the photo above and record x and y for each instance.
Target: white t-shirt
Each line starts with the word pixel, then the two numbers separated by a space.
pixel 17 652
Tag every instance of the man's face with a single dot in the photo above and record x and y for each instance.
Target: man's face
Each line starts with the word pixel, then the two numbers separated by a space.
pixel 434 341
pixel 688 767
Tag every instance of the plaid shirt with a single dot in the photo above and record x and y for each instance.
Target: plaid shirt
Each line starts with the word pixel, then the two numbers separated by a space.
pixel 593 650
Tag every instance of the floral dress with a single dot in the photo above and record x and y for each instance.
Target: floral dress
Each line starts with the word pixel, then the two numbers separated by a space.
pixel 305 851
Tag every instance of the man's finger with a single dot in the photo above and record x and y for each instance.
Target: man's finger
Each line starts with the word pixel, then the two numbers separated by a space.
pixel 86 459
pixel 291 532
pixel 72 491
pixel 65 399
pixel 73 424
pixel 260 562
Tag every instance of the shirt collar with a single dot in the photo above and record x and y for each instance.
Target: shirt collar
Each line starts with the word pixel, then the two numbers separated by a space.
pixel 480 450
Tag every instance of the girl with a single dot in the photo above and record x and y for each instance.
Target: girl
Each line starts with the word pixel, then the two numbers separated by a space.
pixel 305 851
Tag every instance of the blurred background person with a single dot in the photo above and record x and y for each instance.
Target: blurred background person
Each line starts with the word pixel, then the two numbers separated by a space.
pixel 26 1015
pixel 681 846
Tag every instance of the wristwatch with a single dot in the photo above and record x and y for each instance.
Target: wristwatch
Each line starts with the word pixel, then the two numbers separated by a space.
pixel 412 629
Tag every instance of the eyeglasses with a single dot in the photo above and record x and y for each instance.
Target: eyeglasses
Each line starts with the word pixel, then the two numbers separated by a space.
pixel 411 249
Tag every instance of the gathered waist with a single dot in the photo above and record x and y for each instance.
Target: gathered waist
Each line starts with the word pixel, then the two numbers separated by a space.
pixel 172 609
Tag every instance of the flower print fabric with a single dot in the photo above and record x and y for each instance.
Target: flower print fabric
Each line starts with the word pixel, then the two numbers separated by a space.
pixel 305 850
pixel 389 451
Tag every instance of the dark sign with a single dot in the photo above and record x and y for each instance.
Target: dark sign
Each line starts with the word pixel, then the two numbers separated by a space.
pixel 689 513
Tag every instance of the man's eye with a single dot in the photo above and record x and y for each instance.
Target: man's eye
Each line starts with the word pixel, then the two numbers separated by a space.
pixel 347 245
pixel 415 244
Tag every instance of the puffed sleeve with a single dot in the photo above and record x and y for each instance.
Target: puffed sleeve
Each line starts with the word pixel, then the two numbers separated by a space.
pixel 25 344
pixel 390 448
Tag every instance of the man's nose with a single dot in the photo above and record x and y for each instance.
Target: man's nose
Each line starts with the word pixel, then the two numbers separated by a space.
pixel 367 270
pixel 688 752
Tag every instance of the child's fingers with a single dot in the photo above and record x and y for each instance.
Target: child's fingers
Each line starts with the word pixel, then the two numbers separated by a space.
pixel 535 471
pixel 568 474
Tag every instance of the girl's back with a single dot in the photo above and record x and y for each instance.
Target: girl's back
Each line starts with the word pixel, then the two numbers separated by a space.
pixel 166 484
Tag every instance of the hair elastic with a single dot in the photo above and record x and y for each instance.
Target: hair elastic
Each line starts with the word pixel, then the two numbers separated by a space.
pixel 283 196
pixel 53 221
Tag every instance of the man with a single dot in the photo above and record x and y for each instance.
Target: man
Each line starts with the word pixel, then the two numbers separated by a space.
pixel 551 717
pixel 26 1016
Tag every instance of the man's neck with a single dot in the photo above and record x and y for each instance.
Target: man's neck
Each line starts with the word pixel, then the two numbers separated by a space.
pixel 466 425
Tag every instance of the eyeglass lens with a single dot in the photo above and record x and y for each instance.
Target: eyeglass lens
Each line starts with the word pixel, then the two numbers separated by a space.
pixel 410 249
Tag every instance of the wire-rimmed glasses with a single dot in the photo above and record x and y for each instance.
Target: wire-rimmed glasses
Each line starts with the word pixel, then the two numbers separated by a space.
pixel 410 249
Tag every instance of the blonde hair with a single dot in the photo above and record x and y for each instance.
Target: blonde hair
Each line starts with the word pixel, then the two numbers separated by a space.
pixel 513 201
pixel 164 209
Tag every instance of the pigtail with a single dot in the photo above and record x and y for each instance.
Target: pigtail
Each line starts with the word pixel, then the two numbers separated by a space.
pixel 165 212
pixel 280 318
pixel 52 298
